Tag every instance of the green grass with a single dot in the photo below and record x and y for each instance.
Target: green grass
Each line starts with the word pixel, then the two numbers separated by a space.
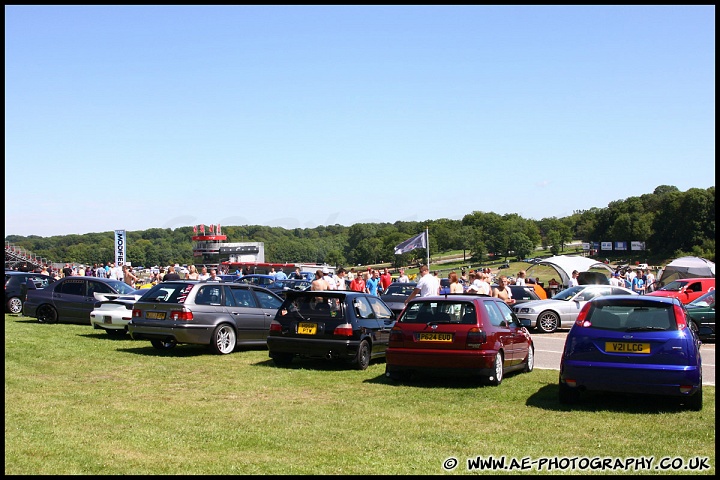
pixel 80 402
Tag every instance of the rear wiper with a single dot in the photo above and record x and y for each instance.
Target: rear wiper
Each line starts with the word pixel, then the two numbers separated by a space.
pixel 641 329
pixel 445 322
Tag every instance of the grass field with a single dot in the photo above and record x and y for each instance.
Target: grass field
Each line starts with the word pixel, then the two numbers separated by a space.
pixel 80 402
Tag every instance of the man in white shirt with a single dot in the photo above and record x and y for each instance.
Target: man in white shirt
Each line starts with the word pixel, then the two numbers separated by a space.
pixel 332 284
pixel 427 286
pixel 573 281
pixel 403 278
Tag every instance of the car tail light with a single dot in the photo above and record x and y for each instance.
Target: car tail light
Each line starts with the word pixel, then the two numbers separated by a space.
pixel 183 314
pixel 475 338
pixel 580 320
pixel 680 317
pixel 686 388
pixel 570 382
pixel 137 313
pixel 275 326
pixel 344 330
pixel 396 334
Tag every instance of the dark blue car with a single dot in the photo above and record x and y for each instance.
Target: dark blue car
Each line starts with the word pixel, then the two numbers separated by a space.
pixel 632 344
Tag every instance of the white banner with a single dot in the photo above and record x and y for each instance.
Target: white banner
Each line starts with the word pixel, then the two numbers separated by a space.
pixel 120 248
pixel 635 245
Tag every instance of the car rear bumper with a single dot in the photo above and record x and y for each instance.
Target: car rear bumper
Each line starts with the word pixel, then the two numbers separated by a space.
pixel 471 362
pixel 193 334
pixel 311 347
pixel 111 323
pixel 649 379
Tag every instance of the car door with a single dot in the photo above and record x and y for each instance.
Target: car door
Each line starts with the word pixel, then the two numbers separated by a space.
pixel 385 319
pixel 367 320
pixel 248 317
pixel 71 301
pixel 512 334
pixel 269 305
pixel 500 330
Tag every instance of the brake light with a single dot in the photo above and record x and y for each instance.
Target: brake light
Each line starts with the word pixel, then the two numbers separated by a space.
pixel 344 330
pixel 580 320
pixel 275 326
pixel 475 338
pixel 183 314
pixel 680 317
pixel 396 334
pixel 137 313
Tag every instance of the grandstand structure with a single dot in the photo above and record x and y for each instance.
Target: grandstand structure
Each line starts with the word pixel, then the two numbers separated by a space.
pixel 17 257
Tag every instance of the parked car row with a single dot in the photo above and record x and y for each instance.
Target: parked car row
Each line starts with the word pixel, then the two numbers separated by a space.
pixel 619 341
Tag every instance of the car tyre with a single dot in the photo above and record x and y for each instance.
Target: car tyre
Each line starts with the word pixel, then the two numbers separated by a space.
pixel 548 321
pixel 497 377
pixel 362 358
pixel 223 339
pixel 530 360
pixel 695 402
pixel 47 314
pixel 164 344
pixel 282 359
pixel 14 305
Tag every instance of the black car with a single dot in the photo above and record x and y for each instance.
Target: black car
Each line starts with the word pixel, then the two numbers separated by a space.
pixel 222 316
pixel 16 286
pixel 396 294
pixel 331 324
pixel 71 299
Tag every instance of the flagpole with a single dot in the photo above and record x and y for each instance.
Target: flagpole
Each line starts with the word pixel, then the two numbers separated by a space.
pixel 427 242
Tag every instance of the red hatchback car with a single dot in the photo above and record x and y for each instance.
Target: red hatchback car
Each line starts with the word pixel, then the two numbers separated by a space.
pixel 686 289
pixel 472 335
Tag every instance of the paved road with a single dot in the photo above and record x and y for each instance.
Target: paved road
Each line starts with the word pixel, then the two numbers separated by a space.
pixel 548 349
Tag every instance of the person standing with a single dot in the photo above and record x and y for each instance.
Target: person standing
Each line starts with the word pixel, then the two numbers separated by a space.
pixel 385 279
pixel 520 280
pixel 455 285
pixel 638 284
pixel 100 271
pixel 649 281
pixel 329 279
pixel 204 275
pixel 340 280
pixel 319 283
pixel 502 291
pixel 427 285
pixel 192 273
pixel 615 280
pixel 373 286
pixel 357 284
pixel 171 274
pixel 129 277
pixel 213 276
pixel 403 278
pixel 573 280
pixel 280 275
pixel 297 275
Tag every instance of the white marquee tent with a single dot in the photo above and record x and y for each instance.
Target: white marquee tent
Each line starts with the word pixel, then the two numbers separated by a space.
pixel 565 264
pixel 687 267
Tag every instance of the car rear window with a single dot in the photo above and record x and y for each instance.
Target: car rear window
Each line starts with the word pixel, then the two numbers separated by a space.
pixel 440 312
pixel 316 305
pixel 631 317
pixel 168 293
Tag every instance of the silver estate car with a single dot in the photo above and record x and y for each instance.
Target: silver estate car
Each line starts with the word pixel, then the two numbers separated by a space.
pixel 220 315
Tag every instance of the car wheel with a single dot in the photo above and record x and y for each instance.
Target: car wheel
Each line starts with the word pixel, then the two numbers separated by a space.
pixel 163 344
pixel 497 377
pixel 548 321
pixel 362 358
pixel 567 395
pixel 530 360
pixel 695 402
pixel 282 359
pixel 47 314
pixel 14 305
pixel 694 327
pixel 223 339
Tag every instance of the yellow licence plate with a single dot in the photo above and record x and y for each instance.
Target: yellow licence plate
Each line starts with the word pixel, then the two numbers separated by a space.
pixel 627 347
pixel 307 328
pixel 155 315
pixel 436 337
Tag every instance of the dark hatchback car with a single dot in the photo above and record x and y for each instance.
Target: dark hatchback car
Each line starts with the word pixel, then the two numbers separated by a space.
pixel 396 294
pixel 220 315
pixel 702 314
pixel 639 345
pixel 16 287
pixel 469 335
pixel 331 324
pixel 71 299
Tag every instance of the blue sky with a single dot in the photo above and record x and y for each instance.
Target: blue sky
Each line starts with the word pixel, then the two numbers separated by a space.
pixel 138 117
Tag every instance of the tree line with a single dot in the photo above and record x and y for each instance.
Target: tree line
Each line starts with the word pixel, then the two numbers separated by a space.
pixel 670 222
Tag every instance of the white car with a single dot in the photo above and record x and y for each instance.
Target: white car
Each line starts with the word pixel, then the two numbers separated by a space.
pixel 562 309
pixel 113 314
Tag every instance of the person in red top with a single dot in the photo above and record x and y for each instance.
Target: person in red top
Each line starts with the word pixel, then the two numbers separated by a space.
pixel 385 279
pixel 357 284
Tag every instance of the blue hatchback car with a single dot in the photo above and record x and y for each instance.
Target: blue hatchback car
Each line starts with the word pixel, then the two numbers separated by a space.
pixel 632 344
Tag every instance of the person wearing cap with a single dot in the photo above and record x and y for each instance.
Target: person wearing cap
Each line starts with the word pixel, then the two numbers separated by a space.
pixel 332 285
pixel 615 280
